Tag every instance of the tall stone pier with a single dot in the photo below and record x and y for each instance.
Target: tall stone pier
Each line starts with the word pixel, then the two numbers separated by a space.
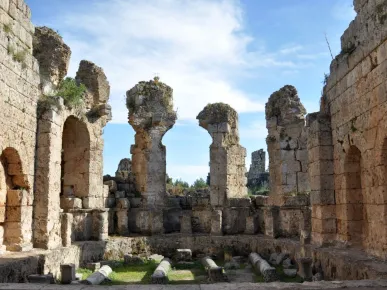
pixel 151 115
pixel 287 142
pixel 227 157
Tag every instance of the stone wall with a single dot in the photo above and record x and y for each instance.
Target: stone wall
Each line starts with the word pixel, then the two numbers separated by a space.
pixel 19 92
pixel 354 98
pixel 286 143
pixel 257 175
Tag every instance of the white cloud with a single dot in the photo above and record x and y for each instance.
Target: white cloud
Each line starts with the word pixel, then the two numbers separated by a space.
pixel 291 49
pixel 198 47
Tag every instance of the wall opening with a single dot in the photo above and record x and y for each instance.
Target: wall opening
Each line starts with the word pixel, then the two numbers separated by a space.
pixel 13 192
pixel 75 159
pixel 354 204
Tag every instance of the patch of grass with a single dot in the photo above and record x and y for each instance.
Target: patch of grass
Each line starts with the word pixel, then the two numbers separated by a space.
pixel 258 278
pixel 85 273
pixel 132 274
pixel 20 56
pixel 10 49
pixel 187 276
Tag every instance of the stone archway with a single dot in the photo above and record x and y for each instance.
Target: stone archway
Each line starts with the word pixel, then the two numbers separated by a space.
pixel 15 205
pixel 353 224
pixel 75 159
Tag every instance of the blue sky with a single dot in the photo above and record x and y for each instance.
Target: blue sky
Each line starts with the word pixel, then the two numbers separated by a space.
pixel 237 52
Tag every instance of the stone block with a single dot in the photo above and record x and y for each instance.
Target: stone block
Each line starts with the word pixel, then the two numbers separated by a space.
pixel 18 198
pixel 112 185
pixel 216 223
pixel 120 194
pixel 66 229
pixel 41 279
pixel 251 225
pixel 122 222
pixel 305 268
pixel 239 202
pixel 183 255
pixel 135 202
pixel 123 203
pixel 92 202
pixel 110 202
pixel 70 203
pixel 185 222
pixel 93 266
pixel 67 273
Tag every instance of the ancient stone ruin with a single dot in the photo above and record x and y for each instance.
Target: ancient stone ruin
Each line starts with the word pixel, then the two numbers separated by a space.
pixel 324 216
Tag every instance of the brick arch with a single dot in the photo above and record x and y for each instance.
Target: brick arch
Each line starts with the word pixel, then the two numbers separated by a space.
pixel 13 200
pixel 75 166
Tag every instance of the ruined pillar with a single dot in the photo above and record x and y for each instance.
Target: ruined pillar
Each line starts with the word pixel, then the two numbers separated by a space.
pixel 257 177
pixel 53 56
pixel 321 174
pixel 151 115
pixel 286 143
pixel 227 157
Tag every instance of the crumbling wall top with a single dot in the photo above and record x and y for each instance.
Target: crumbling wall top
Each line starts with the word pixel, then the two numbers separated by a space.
pixel 53 56
pixel 286 106
pixel 217 113
pixel 94 78
pixel 150 104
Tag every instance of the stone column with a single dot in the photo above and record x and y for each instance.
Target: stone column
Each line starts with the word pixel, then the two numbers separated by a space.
pixel 151 115
pixel 53 56
pixel 321 174
pixel 227 157
pixel 286 143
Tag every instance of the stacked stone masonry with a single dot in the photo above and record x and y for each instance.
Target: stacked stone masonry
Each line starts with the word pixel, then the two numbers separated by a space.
pixel 327 169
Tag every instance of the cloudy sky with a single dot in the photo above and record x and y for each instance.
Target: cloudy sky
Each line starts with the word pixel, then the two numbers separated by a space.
pixel 232 51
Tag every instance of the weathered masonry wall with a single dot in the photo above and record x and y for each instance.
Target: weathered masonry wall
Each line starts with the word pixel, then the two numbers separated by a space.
pixel 19 92
pixel 355 98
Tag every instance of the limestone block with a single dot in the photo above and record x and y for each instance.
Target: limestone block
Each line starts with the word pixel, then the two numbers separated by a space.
pixel 66 229
pixel 112 185
pixel 70 203
pixel 123 203
pixel 251 225
pixel 110 202
pixel 122 222
pixel 216 223
pixel 185 222
pixel 271 217
pixel 18 198
pixel 94 78
pixel 100 225
pixel 183 255
pixel 4 4
pixel 120 194
pixel 67 273
pixel 92 202
pixel 305 268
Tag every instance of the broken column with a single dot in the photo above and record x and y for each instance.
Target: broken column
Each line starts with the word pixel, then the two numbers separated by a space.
pixel 286 143
pixel 160 275
pixel 227 157
pixel 151 115
pixel 257 176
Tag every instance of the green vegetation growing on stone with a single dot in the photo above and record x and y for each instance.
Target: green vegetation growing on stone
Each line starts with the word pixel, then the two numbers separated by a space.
pixel 7 28
pixel 199 183
pixel 46 103
pixel 71 92
pixel 258 190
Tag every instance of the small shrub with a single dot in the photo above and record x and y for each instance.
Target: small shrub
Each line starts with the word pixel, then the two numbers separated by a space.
pixel 7 28
pixel 46 103
pixel 10 49
pixel 20 56
pixel 71 92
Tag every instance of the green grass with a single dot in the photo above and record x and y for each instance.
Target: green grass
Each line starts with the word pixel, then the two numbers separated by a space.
pixel 85 272
pixel 132 274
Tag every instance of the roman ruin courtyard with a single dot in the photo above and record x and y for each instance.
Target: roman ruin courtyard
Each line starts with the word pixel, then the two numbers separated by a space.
pixel 317 221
